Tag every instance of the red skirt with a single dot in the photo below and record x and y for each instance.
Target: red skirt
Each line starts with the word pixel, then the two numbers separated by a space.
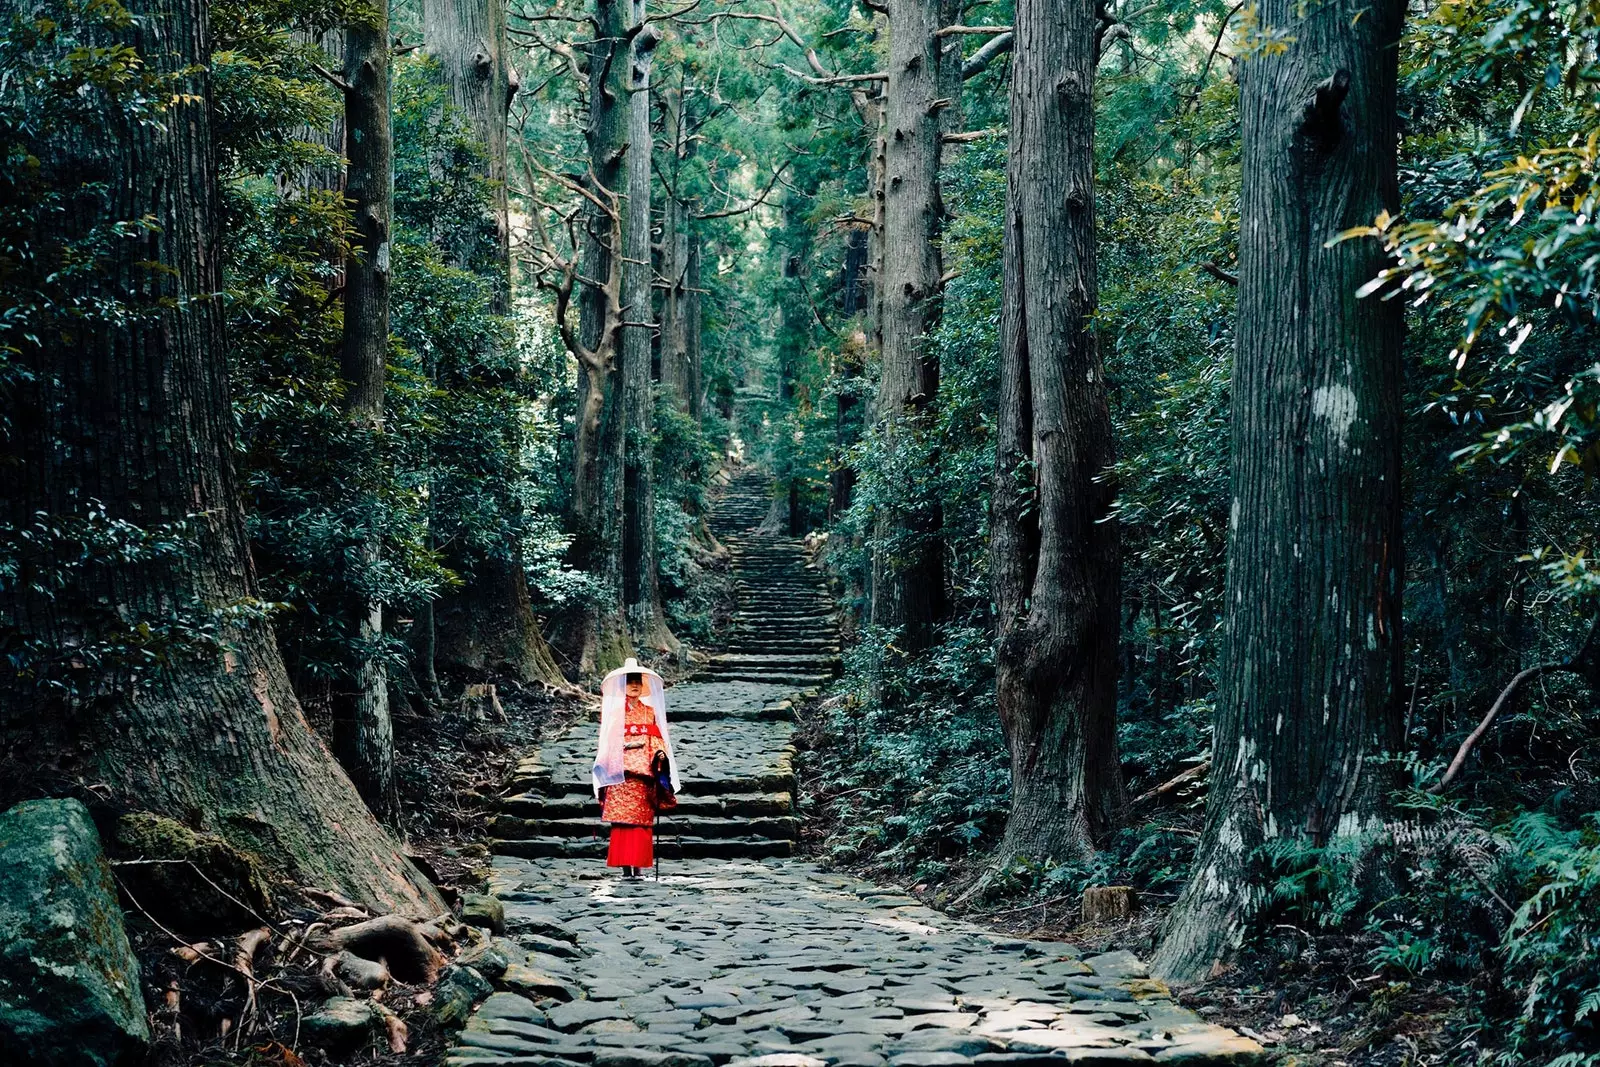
pixel 631 846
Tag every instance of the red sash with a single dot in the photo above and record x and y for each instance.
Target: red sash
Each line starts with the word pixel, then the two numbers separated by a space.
pixel 638 730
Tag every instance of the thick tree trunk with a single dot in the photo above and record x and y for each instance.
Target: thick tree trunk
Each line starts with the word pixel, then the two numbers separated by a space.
pixel 595 636
pixel 489 624
pixel 1310 686
pixel 908 562
pixel 363 733
pixel 132 411
pixel 641 584
pixel 1055 552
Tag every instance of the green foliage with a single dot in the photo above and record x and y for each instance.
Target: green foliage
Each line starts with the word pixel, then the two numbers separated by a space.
pixel 1553 946
pixel 917 786
pixel 686 458
pixel 57 557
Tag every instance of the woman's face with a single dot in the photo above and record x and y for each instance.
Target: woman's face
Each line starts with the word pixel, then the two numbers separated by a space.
pixel 634 689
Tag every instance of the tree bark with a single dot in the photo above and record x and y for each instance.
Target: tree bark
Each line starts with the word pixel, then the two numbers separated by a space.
pixel 594 636
pixel 363 733
pixel 692 320
pixel 131 410
pixel 489 624
pixel 675 373
pixel 641 584
pixel 1310 689
pixel 908 561
pixel 1055 549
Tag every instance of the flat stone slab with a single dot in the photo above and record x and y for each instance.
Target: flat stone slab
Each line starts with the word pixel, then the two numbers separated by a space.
pixel 778 963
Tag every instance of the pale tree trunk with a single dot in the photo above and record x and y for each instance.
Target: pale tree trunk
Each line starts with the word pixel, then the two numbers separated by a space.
pixel 908 578
pixel 489 624
pixel 691 325
pixel 1055 553
pixel 1310 687
pixel 363 733
pixel 595 636
pixel 846 431
pixel 135 414
pixel 675 261
pixel 641 583
pixel 873 112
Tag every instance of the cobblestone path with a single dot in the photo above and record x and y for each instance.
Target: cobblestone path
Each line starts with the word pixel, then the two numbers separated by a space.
pixel 742 957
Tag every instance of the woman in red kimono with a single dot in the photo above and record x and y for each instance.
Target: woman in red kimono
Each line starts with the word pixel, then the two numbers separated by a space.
pixel 633 735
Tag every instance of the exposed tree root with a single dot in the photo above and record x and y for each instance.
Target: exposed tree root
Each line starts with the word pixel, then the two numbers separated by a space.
pixel 404 946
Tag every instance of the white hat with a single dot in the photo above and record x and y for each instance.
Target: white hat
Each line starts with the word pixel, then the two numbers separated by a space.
pixel 631 666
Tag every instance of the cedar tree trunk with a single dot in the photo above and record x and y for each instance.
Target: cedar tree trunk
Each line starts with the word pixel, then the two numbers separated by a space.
pixel 1055 552
pixel 908 560
pixel 641 585
pixel 1310 677
pixel 130 409
pixel 595 636
pixel 489 624
pixel 363 733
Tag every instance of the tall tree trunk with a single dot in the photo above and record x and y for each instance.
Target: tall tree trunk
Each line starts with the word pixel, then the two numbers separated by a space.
pixel 1055 552
pixel 641 585
pixel 1310 686
pixel 692 321
pixel 846 419
pixel 675 259
pixel 594 636
pixel 489 623
pixel 130 413
pixel 363 733
pixel 908 562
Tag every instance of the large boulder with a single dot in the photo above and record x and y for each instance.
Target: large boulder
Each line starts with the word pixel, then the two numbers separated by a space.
pixel 69 983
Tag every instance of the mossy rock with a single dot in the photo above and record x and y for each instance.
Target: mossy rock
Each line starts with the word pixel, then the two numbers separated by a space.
pixel 69 982
pixel 194 882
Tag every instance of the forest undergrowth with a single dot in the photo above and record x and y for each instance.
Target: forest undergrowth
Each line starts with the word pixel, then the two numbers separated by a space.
pixel 1465 928
pixel 457 758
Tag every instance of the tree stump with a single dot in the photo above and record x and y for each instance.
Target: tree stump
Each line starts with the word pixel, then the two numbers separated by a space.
pixel 1109 903
pixel 481 703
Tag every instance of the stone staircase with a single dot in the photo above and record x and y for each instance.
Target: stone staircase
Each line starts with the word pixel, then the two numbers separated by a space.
pixel 732 725
pixel 785 630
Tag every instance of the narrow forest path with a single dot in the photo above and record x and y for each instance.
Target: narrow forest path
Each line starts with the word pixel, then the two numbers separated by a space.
pixel 740 955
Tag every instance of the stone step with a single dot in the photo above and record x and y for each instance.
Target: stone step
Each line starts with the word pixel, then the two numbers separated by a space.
pixel 781 629
pixel 709 714
pixel 577 806
pixel 744 660
pixel 805 645
pixel 778 827
pixel 774 782
pixel 668 846
pixel 760 676
pixel 785 610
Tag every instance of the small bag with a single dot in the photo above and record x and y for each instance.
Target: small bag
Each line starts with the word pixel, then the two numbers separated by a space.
pixel 661 772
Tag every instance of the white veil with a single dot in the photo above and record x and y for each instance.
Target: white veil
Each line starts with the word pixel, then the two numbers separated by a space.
pixel 613 712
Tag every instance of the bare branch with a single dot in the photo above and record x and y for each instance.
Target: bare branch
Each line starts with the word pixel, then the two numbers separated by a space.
pixel 971 135
pixel 979 61
pixel 836 79
pixel 333 79
pixel 760 199
pixel 1574 664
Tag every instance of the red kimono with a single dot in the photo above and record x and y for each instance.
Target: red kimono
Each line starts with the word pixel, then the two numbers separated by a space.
pixel 630 807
